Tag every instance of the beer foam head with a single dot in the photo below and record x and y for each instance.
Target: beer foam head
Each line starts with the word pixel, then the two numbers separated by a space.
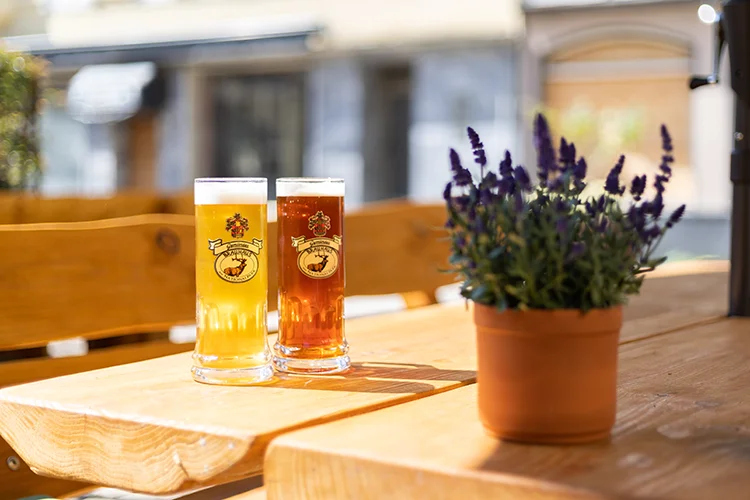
pixel 304 186
pixel 231 190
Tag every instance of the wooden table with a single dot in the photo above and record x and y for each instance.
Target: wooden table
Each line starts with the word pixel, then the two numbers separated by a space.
pixel 148 427
pixel 683 432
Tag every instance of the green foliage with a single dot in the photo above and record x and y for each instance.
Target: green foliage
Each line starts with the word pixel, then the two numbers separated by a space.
pixel 20 88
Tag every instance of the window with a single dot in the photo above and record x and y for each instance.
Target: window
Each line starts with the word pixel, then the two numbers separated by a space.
pixel 258 126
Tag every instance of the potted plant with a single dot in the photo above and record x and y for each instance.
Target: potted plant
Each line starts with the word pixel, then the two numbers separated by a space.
pixel 548 269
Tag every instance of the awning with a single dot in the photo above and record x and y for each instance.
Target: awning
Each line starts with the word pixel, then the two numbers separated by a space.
pixel 108 92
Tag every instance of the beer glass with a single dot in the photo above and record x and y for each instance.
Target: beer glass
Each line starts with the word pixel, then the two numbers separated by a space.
pixel 310 218
pixel 231 278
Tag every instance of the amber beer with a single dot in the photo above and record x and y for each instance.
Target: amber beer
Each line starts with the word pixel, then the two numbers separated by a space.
pixel 310 217
pixel 231 278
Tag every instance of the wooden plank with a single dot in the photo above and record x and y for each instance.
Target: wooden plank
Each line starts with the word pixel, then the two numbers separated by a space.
pixel 29 370
pixel 95 279
pixel 703 285
pixel 23 482
pixel 148 427
pixel 396 248
pixel 31 209
pixel 256 494
pixel 682 432
pixel 108 411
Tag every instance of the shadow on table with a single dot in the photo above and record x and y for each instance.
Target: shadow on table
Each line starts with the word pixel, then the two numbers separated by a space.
pixel 398 378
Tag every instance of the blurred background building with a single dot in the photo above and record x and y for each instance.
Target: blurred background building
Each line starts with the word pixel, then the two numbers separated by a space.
pixel 154 93
pixel 148 94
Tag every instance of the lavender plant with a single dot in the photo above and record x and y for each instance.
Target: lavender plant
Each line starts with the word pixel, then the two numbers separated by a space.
pixel 548 246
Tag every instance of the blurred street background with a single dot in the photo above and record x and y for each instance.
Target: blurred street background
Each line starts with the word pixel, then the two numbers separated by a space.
pixel 149 94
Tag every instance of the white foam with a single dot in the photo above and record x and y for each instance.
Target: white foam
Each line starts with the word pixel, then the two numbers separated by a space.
pixel 231 190
pixel 303 186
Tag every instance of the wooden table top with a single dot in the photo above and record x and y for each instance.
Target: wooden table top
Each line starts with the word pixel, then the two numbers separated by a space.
pixel 148 427
pixel 682 432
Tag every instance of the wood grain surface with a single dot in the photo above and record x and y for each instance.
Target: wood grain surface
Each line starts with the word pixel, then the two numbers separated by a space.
pixel 682 432
pixel 95 279
pixel 135 423
pixel 30 209
pixel 148 427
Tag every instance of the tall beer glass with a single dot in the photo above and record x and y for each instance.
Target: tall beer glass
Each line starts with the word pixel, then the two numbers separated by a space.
pixel 231 278
pixel 310 218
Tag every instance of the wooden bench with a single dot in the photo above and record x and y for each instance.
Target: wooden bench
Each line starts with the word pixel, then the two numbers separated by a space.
pixel 120 284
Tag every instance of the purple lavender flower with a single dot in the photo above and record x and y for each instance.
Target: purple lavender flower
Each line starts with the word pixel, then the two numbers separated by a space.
pixel 579 171
pixel 664 166
pixel 653 232
pixel 476 144
pixel 657 206
pixel 577 249
pixel 518 199
pixel 567 155
pixel 667 159
pixel 490 179
pixel 449 224
pixel 506 186
pixel 522 178
pixel 557 184
pixel 560 206
pixel 676 216
pixel 591 209
pixel 463 178
pixel 666 139
pixel 486 197
pixel 603 226
pixel 545 152
pixel 455 161
pixel 637 187
pixel 447 191
pixel 462 202
pixel 612 184
pixel 659 182
pixel 561 226
pixel 506 166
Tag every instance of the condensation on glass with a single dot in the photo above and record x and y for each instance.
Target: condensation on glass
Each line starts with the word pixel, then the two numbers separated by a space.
pixel 310 218
pixel 231 278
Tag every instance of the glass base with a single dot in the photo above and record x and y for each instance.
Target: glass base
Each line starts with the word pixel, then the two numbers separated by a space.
pixel 312 366
pixel 232 376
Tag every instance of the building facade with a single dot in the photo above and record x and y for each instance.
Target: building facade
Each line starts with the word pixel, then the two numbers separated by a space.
pixel 610 73
pixel 374 92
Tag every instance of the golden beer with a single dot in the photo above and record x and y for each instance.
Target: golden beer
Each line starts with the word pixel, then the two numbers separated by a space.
pixel 310 218
pixel 231 278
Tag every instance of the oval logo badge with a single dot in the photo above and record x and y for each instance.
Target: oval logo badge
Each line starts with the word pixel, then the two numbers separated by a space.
pixel 236 266
pixel 318 262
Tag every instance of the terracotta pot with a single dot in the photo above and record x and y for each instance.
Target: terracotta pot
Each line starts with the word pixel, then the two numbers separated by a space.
pixel 547 377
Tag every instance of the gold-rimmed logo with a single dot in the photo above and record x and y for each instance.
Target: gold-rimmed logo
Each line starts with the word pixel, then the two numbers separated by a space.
pixel 318 257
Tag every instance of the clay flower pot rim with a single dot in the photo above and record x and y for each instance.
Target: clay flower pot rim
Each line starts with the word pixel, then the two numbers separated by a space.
pixel 548 311
pixel 542 322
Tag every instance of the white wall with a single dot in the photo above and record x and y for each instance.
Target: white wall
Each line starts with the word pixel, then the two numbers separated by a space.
pixel 348 23
pixel 453 90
